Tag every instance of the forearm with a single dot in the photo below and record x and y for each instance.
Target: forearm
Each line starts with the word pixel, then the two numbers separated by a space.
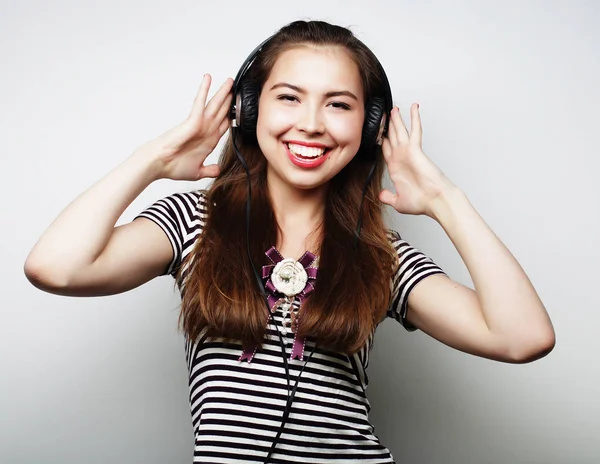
pixel 510 305
pixel 81 231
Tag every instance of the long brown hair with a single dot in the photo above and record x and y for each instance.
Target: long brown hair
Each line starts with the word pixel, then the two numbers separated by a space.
pixel 352 290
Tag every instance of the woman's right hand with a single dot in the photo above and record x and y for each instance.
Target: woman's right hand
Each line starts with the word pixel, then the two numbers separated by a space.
pixel 180 152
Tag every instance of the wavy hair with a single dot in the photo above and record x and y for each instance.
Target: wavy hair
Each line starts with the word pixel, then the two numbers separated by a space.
pixel 221 298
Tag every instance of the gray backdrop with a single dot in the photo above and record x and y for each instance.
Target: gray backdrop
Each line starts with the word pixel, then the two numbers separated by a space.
pixel 509 100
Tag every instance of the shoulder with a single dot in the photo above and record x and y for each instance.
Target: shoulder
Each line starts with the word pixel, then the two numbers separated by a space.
pixel 191 204
pixel 184 209
pixel 409 256
pixel 404 250
pixel 182 216
pixel 413 266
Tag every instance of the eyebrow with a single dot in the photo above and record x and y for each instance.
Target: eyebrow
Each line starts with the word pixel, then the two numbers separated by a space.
pixel 335 93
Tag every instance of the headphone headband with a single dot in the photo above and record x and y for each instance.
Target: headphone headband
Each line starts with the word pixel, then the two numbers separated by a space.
pixel 234 115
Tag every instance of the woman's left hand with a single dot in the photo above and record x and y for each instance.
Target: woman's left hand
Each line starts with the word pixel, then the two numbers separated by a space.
pixel 416 179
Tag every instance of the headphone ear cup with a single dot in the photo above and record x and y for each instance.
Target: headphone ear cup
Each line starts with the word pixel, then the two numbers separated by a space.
pixel 372 127
pixel 247 109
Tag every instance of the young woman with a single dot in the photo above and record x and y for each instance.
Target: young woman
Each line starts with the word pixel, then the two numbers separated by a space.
pixel 277 370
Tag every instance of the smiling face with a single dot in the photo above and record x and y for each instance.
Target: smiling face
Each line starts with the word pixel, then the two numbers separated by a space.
pixel 310 118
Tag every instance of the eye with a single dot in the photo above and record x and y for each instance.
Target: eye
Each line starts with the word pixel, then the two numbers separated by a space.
pixel 286 97
pixel 340 105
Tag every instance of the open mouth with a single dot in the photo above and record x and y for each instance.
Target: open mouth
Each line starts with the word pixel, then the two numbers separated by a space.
pixel 305 156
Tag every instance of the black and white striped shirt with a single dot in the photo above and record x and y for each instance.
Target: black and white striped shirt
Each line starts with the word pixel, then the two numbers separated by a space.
pixel 236 406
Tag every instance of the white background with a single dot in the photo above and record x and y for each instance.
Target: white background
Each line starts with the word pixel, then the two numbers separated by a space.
pixel 509 101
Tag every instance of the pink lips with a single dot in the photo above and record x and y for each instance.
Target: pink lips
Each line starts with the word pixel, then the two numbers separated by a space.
pixel 303 162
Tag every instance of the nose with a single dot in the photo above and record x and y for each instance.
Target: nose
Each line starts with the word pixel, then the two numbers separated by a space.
pixel 310 120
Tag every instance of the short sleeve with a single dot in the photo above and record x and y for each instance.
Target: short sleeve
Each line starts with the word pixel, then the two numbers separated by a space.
pixel 181 216
pixel 413 267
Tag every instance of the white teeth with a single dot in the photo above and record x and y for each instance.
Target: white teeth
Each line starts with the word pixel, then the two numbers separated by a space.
pixel 305 152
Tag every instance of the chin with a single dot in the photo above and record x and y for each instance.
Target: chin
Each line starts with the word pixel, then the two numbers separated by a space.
pixel 302 182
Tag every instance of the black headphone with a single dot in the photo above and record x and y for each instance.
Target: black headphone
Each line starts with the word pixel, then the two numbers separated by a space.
pixel 244 116
pixel 244 106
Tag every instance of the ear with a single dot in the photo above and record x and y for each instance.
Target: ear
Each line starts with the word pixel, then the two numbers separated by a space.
pixel 247 109
pixel 374 124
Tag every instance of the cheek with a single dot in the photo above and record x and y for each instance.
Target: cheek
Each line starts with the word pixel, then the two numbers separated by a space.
pixel 346 131
pixel 273 120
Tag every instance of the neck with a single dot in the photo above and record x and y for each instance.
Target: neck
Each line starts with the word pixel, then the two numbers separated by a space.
pixel 298 211
pixel 292 205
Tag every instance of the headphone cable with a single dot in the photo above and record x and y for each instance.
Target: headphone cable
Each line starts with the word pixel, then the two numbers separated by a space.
pixel 290 395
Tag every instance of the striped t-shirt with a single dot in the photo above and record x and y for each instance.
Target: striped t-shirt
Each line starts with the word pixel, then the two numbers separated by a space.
pixel 236 406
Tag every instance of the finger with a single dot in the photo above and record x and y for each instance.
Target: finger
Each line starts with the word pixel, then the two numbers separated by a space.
pixel 218 98
pixel 223 111
pixel 416 130
pixel 211 170
pixel 391 133
pixel 223 126
pixel 387 197
pixel 398 126
pixel 386 148
pixel 200 100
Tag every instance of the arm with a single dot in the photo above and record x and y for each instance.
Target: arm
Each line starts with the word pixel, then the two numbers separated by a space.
pixel 82 252
pixel 503 319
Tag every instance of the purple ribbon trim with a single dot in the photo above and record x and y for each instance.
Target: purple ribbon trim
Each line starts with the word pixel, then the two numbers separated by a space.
pixel 274 297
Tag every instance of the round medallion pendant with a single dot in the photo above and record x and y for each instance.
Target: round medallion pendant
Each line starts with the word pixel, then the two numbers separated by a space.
pixel 289 277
